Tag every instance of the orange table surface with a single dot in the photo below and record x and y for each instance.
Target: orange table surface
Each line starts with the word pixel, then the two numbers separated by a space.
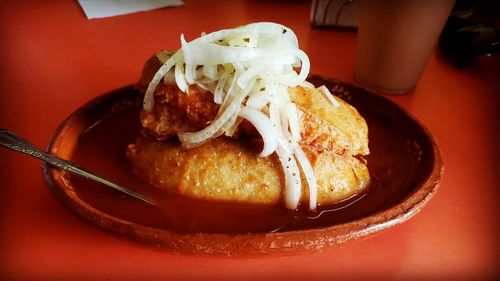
pixel 53 60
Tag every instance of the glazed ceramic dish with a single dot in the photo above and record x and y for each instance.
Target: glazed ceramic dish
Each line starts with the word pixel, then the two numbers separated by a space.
pixel 405 166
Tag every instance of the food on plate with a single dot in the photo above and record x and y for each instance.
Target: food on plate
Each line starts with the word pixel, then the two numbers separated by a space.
pixel 231 117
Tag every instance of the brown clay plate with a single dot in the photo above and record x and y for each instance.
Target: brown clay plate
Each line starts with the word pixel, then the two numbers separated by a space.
pixel 405 165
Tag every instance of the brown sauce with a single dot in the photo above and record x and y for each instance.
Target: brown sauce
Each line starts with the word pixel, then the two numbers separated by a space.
pixel 102 149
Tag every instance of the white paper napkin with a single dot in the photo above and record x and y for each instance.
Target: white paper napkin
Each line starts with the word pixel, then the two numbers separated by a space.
pixel 107 8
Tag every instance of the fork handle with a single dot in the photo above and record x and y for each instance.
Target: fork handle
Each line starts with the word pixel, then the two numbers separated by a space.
pixel 16 143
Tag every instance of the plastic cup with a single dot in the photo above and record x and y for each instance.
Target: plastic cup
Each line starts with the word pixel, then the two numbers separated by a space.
pixel 395 41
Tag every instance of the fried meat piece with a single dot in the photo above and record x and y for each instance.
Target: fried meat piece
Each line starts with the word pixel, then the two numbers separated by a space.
pixel 174 111
pixel 228 170
pixel 324 127
pixel 334 138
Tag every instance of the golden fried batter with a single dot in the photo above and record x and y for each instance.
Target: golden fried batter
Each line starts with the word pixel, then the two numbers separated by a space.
pixel 228 170
pixel 326 127
pixel 334 138
pixel 174 111
pixel 220 169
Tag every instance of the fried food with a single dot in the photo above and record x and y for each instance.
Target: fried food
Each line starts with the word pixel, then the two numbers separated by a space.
pixel 211 106
pixel 223 169
pixel 174 111
pixel 334 138
pixel 324 127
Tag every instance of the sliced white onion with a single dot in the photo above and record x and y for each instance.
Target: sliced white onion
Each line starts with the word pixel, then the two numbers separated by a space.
pixel 244 39
pixel 180 79
pixel 231 126
pixel 275 118
pixel 217 35
pixel 274 30
pixel 257 101
pixel 248 69
pixel 193 138
pixel 190 74
pixel 231 93
pixel 304 68
pixel 307 84
pixel 293 121
pixel 149 96
pixel 309 175
pixel 219 93
pixel 211 53
pixel 263 125
pixel 327 94
pixel 249 74
pixel 293 183
pixel 210 71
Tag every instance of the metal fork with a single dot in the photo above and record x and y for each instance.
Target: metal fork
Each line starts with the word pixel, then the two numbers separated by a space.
pixel 16 143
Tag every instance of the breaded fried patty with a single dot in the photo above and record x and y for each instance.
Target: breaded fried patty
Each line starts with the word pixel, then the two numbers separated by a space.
pixel 333 136
pixel 228 170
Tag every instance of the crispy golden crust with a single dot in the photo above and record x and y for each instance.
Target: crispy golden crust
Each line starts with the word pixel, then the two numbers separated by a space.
pixel 228 170
pixel 326 127
pixel 334 138
pixel 176 112
pixel 220 169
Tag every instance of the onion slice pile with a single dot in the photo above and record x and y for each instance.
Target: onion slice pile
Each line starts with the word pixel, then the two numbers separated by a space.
pixel 248 69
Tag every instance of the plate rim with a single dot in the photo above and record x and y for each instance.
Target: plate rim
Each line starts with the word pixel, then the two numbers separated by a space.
pixel 280 243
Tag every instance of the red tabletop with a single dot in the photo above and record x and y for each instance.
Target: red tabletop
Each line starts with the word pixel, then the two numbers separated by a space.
pixel 54 60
